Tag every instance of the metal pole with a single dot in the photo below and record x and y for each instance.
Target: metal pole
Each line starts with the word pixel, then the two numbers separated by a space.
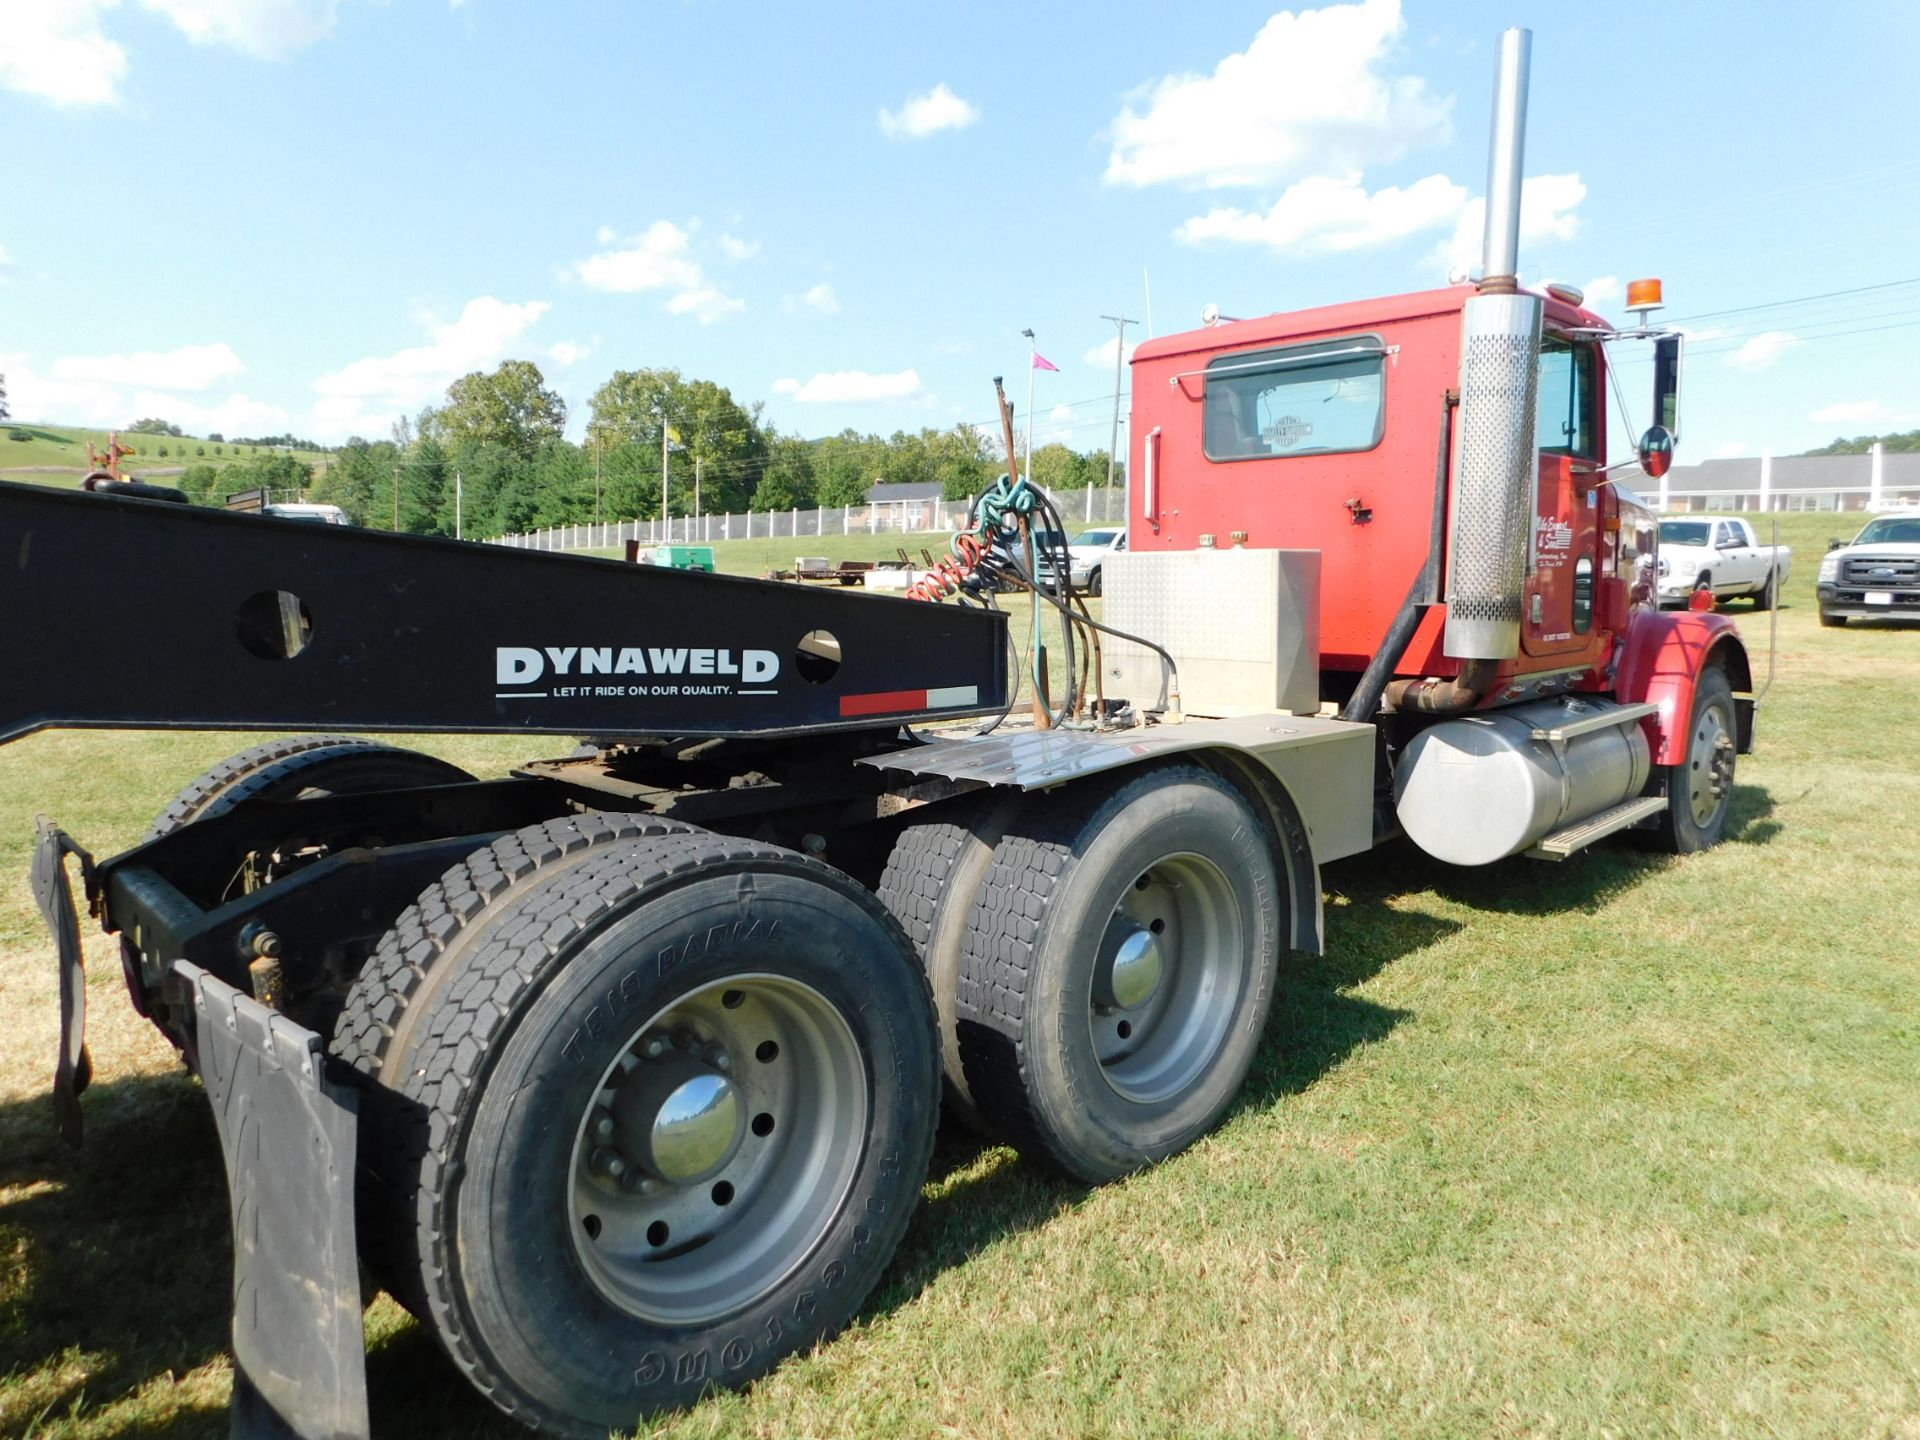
pixel 458 504
pixel 1032 351
pixel 1120 323
pixel 596 477
pixel 1506 159
pixel 396 497
pixel 663 469
pixel 696 484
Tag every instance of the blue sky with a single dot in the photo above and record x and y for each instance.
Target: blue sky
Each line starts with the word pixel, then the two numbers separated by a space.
pixel 256 215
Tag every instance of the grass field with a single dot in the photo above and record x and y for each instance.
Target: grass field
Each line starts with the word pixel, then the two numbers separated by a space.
pixel 57 454
pixel 1625 1147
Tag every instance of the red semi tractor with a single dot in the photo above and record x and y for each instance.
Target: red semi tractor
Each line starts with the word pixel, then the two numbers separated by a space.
pixel 622 1072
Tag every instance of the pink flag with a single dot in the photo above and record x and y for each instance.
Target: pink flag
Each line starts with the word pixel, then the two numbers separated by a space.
pixel 1041 362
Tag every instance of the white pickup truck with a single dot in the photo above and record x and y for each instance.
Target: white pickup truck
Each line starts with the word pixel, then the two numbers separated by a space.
pixel 1720 556
pixel 1875 574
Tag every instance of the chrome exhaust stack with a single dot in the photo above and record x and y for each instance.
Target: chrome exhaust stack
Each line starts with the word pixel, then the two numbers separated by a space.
pixel 1495 472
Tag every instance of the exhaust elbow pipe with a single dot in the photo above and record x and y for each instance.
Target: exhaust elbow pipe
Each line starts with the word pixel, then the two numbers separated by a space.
pixel 1445 697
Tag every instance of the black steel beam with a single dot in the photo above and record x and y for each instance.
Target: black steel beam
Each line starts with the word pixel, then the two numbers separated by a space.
pixel 121 612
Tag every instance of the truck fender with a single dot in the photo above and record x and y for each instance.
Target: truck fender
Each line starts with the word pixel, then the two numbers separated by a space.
pixel 1660 662
pixel 1299 871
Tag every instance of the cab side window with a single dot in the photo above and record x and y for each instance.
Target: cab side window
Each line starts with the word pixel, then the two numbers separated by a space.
pixel 1563 413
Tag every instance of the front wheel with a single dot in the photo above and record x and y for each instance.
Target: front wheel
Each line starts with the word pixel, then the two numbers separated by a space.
pixel 1700 787
pixel 1831 621
pixel 1768 595
pixel 678 1100
pixel 1093 581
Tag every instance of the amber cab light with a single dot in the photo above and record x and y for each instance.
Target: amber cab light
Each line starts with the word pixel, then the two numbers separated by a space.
pixel 1644 295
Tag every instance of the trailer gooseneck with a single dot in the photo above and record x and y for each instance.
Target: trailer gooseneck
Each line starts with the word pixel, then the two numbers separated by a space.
pixel 622 1072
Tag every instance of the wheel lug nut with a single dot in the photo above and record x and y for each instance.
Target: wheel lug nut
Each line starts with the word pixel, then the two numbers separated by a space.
pixel 609 1162
pixel 602 1128
pixel 635 1183
pixel 718 1057
pixel 654 1046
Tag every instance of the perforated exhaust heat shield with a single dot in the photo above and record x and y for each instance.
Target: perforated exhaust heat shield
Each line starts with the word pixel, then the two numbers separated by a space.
pixel 1494 477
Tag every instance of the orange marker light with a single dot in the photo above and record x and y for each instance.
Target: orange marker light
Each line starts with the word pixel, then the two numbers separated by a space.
pixel 1644 295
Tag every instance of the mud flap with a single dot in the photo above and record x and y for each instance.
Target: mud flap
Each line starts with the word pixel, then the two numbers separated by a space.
pixel 53 893
pixel 287 1132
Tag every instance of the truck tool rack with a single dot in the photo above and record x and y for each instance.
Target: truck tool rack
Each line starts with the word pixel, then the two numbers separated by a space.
pixel 622 1072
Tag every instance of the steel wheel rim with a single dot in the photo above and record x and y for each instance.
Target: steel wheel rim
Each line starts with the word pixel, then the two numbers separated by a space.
pixel 1710 765
pixel 1152 1051
pixel 689 1250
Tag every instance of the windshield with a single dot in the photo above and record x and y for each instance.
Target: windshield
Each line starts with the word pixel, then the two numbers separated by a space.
pixel 1685 532
pixel 1095 537
pixel 1891 530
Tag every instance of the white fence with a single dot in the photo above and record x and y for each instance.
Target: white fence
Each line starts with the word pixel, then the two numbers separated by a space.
pixel 1095 505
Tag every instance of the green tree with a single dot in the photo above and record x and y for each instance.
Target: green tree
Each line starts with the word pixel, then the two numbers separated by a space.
pixel 283 475
pixel 360 481
pixel 846 465
pixel 4 412
pixel 152 427
pixel 200 450
pixel 705 424
pixel 1058 467
pixel 426 490
pixel 511 407
pixel 787 480
pixel 199 483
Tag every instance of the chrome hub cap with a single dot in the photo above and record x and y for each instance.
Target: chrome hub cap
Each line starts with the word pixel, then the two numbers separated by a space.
pixel 1171 966
pixel 718 1148
pixel 1711 766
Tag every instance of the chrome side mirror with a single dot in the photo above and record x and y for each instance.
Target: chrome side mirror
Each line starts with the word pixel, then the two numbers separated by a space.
pixel 1656 451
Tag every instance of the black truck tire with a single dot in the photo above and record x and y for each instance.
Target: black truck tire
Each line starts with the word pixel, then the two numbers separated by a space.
pixel 529 1112
pixel 931 884
pixel 1768 595
pixel 1118 969
pixel 1700 788
pixel 302 765
pixel 1831 621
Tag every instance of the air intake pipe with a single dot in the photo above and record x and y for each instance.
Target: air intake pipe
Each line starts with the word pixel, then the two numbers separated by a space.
pixel 1493 481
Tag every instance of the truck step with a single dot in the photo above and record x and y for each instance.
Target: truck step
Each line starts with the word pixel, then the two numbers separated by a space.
pixel 1605 720
pixel 1575 838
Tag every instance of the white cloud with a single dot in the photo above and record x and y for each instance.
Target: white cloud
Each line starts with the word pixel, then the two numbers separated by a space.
pixel 1763 350
pixel 1060 412
pixel 235 415
pixel 843 387
pixel 565 352
pixel 365 396
pixel 1308 96
pixel 734 247
pixel 1856 412
pixel 191 367
pixel 264 29
pixel 1322 215
pixel 1101 355
pixel 924 115
pixel 82 391
pixel 1601 290
pixel 1549 210
pixel 604 235
pixel 706 304
pixel 660 258
pixel 55 49
pixel 820 300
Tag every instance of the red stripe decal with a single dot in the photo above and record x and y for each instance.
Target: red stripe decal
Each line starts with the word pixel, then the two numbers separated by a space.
pixel 883 702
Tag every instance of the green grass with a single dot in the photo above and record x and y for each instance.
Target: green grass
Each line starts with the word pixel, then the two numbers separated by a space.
pixel 1628 1146
pixel 57 454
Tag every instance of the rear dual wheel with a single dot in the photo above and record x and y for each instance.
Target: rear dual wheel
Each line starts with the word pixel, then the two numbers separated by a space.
pixel 644 1115
pixel 1113 967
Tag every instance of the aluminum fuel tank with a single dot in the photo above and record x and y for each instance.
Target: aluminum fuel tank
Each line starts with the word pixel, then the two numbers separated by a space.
pixel 1480 788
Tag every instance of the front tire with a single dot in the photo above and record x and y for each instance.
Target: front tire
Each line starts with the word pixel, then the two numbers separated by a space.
pixel 1700 787
pixel 1093 581
pixel 1831 621
pixel 1118 969
pixel 675 1101
pixel 1768 595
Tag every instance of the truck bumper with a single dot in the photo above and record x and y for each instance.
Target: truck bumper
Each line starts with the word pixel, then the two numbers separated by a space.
pixel 1851 601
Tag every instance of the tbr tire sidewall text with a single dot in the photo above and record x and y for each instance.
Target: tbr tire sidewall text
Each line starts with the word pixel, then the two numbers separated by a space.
pixel 517 1272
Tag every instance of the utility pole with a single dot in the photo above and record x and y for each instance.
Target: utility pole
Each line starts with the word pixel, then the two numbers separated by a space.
pixel 664 522
pixel 396 497
pixel 596 479
pixel 696 484
pixel 458 503
pixel 1120 323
